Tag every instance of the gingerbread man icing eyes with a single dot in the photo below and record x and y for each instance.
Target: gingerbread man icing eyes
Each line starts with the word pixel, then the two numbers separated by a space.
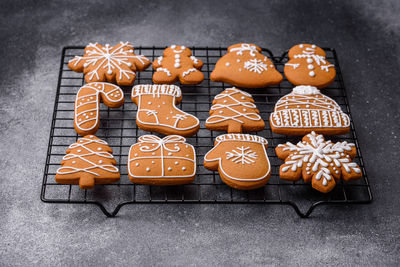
pixel 307 65
pixel 177 63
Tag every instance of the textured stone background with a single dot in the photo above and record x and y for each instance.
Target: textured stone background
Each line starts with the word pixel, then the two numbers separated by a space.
pixel 366 35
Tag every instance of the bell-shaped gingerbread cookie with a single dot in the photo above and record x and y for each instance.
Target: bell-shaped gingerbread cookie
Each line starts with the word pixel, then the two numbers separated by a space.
pixel 157 111
pixel 245 66
pixel 307 65
pixel 241 160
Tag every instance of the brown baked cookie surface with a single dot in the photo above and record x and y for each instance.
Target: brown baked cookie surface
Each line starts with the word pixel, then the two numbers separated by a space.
pixel 320 162
pixel 305 110
pixel 241 160
pixel 87 105
pixel 307 65
pixel 177 63
pixel 114 64
pixel 245 66
pixel 89 161
pixel 162 161
pixel 157 110
pixel 234 111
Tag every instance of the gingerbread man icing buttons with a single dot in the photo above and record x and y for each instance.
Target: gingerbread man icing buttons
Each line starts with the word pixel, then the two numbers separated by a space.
pixel 307 65
pixel 234 111
pixel 177 63
pixel 157 111
pixel 241 160
pixel 304 110
pixel 245 66
pixel 114 64
pixel 88 162
pixel 87 103
pixel 162 161
pixel 320 162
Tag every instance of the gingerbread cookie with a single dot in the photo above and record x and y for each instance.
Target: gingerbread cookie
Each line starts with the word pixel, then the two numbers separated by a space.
pixel 234 111
pixel 162 161
pixel 176 63
pixel 245 66
pixel 87 104
pixel 157 111
pixel 304 110
pixel 241 160
pixel 109 63
pixel 307 65
pixel 320 162
pixel 88 162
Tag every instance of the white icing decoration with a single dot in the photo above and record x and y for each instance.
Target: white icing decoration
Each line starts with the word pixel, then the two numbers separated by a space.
pixel 194 59
pixel 177 65
pixel 164 70
pixel 310 60
pixel 188 71
pixel 310 67
pixel 227 64
pixel 245 47
pixel 306 90
pixel 255 65
pixel 295 65
pixel 311 73
pixel 243 155
pixel 159 60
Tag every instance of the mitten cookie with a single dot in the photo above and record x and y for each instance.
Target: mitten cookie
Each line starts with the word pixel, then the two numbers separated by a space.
pixel 234 111
pixel 109 63
pixel 166 161
pixel 157 111
pixel 245 66
pixel 88 162
pixel 307 66
pixel 176 63
pixel 87 103
pixel 304 110
pixel 241 160
pixel 318 161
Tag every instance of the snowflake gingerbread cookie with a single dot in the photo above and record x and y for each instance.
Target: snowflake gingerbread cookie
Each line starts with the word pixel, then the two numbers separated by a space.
pixel 157 111
pixel 87 105
pixel 88 162
pixel 177 63
pixel 304 110
pixel 234 111
pixel 162 161
pixel 109 63
pixel 320 162
pixel 241 160
pixel 307 65
pixel 245 66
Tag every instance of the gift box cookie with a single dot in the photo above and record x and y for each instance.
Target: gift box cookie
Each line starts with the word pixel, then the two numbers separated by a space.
pixel 162 161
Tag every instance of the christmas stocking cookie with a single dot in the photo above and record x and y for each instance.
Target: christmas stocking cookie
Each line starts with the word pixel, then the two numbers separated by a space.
pixel 162 161
pixel 304 110
pixel 157 111
pixel 241 160
pixel 109 63
pixel 307 65
pixel 87 104
pixel 245 66
pixel 234 111
pixel 176 63
pixel 318 161
pixel 88 162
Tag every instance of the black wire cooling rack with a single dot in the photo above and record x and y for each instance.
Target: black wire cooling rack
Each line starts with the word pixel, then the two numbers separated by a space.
pixel 119 129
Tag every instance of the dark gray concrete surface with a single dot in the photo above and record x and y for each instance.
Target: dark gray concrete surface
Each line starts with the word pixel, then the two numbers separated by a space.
pixel 366 35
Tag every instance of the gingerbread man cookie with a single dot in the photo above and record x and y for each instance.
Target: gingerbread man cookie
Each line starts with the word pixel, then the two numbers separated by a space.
pixel 109 63
pixel 234 111
pixel 157 111
pixel 320 162
pixel 245 66
pixel 162 161
pixel 307 65
pixel 87 104
pixel 241 160
pixel 304 110
pixel 176 63
pixel 88 162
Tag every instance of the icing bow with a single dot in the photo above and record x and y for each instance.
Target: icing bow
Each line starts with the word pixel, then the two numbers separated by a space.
pixel 160 142
pixel 245 47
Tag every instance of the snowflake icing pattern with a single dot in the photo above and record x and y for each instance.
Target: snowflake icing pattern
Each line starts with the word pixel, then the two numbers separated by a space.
pixel 322 160
pixel 242 155
pixel 255 65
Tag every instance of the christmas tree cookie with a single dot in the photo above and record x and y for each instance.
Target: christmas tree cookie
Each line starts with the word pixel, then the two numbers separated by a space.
pixel 88 162
pixel 234 111
pixel 245 66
